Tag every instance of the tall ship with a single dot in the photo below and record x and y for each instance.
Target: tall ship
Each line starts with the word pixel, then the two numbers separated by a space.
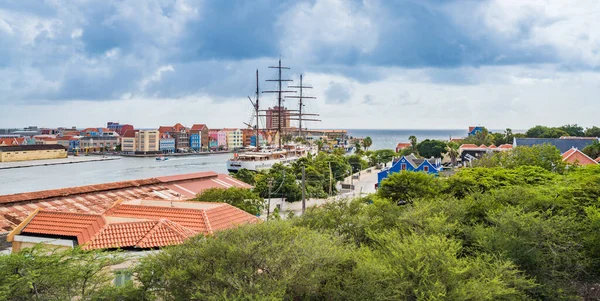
pixel 260 158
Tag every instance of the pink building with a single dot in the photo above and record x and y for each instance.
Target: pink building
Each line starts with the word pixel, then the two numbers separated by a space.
pixel 222 138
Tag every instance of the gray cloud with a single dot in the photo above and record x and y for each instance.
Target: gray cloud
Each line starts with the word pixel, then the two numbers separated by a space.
pixel 337 93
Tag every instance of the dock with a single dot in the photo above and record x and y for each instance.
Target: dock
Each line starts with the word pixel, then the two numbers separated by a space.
pixel 47 162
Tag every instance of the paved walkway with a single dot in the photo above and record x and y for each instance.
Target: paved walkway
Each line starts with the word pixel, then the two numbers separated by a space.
pixel 68 160
pixel 363 185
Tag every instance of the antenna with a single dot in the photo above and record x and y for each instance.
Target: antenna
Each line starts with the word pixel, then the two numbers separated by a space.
pixel 300 105
pixel 279 98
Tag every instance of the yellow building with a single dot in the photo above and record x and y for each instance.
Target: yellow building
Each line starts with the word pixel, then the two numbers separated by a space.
pixel 235 138
pixel 147 141
pixel 32 152
pixel 128 141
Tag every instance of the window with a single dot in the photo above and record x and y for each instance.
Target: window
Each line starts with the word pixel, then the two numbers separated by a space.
pixel 122 278
pixel 403 166
pixel 426 168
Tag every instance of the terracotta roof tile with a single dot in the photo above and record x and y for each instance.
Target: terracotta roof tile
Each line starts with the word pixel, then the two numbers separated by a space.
pixel 198 127
pixel 506 146
pixel 469 146
pixel 82 226
pixel 189 218
pixel 227 216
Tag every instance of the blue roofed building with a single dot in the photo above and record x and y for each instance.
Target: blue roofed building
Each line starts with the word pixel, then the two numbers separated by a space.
pixel 411 163
pixel 473 130
pixel 563 144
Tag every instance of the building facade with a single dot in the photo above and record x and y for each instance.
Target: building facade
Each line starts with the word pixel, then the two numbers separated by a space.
pixel 182 141
pixel 203 131
pixel 195 142
pixel 235 138
pixel 273 118
pixel 221 139
pixel 128 142
pixel 32 152
pixel 411 163
pixel 147 141
pixel 99 143
pixel 166 144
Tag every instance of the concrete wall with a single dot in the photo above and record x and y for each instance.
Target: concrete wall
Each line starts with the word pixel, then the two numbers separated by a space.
pixel 21 155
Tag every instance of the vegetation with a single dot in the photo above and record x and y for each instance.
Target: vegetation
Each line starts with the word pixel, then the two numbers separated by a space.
pixel 431 148
pixel 367 142
pixel 511 232
pixel 244 199
pixel 592 150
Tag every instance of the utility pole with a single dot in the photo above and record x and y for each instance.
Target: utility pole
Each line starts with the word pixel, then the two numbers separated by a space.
pixel 301 105
pixel 303 190
pixel 279 97
pixel 270 185
pixel 330 178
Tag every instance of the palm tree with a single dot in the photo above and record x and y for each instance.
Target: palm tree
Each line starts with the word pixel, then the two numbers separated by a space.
pixel 413 142
pixel 319 144
pixel 367 142
pixel 452 149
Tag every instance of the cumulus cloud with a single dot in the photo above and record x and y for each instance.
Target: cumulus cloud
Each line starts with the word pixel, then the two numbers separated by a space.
pixel 473 59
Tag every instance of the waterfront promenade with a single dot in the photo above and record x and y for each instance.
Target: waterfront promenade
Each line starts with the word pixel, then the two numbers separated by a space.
pixel 47 162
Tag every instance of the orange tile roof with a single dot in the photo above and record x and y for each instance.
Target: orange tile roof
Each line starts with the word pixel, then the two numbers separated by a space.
pixel 469 146
pixel 140 234
pixel 506 146
pixel 227 216
pixel 576 156
pixel 96 199
pixel 190 218
pixel 483 146
pixel 139 224
pixel 198 127
pixel 492 146
pixel 81 226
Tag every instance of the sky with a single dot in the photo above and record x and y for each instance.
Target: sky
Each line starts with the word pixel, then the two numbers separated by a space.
pixel 422 64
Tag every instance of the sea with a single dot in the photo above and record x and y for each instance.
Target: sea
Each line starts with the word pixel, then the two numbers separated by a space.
pixel 68 175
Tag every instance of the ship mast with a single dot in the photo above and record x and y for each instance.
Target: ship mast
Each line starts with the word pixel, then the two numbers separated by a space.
pixel 280 100
pixel 256 110
pixel 301 104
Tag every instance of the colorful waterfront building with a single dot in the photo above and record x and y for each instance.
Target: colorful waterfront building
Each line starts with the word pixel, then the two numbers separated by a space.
pixel 166 143
pixel 128 140
pixel 147 141
pixel 202 130
pixel 221 139
pixel 411 163
pixel 235 138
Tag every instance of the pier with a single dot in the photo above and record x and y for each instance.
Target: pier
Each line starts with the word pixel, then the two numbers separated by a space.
pixel 47 162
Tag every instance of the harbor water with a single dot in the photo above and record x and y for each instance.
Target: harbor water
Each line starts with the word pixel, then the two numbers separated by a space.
pixel 68 175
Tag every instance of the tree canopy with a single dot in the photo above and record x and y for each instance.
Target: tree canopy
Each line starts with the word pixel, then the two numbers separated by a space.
pixel 432 148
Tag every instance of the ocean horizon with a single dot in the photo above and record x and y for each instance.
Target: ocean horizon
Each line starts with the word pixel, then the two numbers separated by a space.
pixel 389 138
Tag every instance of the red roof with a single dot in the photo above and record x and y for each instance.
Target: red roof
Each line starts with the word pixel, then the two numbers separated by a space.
pixel 506 146
pixel 178 127
pixel 575 156
pixel 137 224
pixel 164 129
pixel 198 127
pixel 129 133
pixel 81 226
pixel 492 146
pixel 471 128
pixel 11 141
pixel 469 146
pixel 95 199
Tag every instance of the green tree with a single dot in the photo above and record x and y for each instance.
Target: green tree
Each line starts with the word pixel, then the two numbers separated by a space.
pixel 592 132
pixel 384 155
pixel 319 144
pixel 51 274
pixel 482 137
pixel 241 198
pixel 367 142
pixel 573 130
pixel 431 148
pixel 245 175
pixel 408 186
pixel 357 163
pixel 452 151
pixel 593 150
pixel 413 142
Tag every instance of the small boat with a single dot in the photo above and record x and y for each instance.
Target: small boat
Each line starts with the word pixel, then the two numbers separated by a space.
pixel 162 158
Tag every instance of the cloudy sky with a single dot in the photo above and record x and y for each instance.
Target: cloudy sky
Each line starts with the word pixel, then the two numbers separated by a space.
pixel 373 64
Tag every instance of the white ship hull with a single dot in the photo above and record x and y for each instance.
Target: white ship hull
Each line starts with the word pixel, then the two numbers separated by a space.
pixel 235 165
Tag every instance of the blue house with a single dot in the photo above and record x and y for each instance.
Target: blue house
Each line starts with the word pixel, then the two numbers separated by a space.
pixel 73 145
pixel 473 130
pixel 166 144
pixel 411 163
pixel 195 142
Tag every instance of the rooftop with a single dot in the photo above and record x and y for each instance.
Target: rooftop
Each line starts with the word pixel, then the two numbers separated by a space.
pixel 141 224
pixel 96 199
